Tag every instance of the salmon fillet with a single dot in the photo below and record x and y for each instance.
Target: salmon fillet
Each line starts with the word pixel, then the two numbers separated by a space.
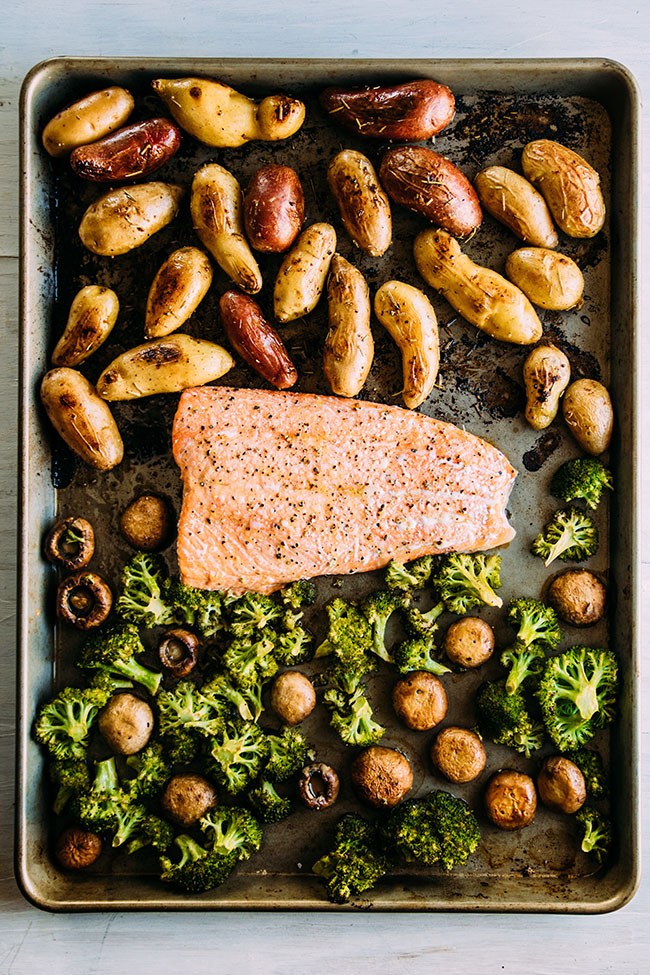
pixel 279 486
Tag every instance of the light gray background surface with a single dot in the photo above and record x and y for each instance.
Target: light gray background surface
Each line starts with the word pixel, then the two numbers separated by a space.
pixel 32 941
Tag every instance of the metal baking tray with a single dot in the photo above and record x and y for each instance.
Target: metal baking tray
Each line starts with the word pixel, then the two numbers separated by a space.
pixel 591 105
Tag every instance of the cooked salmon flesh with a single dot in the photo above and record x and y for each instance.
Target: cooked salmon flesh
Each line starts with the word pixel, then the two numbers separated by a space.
pixel 279 486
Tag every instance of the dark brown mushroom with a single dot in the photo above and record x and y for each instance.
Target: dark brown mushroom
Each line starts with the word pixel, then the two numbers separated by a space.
pixel 188 797
pixel 70 543
pixel 147 523
pixel 84 599
pixel 318 786
pixel 381 776
pixel 561 785
pixel 458 754
pixel 578 597
pixel 77 848
pixel 469 642
pixel 510 799
pixel 420 700
pixel 179 652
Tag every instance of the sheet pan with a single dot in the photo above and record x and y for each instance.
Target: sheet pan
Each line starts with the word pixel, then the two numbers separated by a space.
pixel 591 104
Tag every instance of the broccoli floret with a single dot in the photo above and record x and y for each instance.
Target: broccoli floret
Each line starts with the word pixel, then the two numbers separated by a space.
pixel 287 753
pixel 439 828
pixel 294 646
pixel 422 625
pixel 63 724
pixel 69 776
pixel 417 654
pixel 410 575
pixel 151 831
pixel 351 715
pixel 596 832
pixel 505 719
pixel 110 683
pixel 577 695
pixel 355 862
pixel 535 622
pixel 592 767
pixel 202 609
pixel 114 652
pixel 571 534
pixel 237 754
pixel 378 607
pixel 142 592
pixel 225 698
pixel 584 478
pixel 302 592
pixel 522 663
pixel 180 746
pixel 349 641
pixel 230 829
pixel 198 869
pixel 268 805
pixel 184 707
pixel 252 612
pixel 466 581
pixel 251 660
pixel 97 807
pixel 150 768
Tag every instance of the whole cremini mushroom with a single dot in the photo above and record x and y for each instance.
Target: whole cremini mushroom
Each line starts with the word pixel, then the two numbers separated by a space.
pixel 188 797
pixel 469 642
pixel 420 700
pixel 381 776
pixel 318 786
pixel 84 599
pixel 178 651
pixel 293 697
pixel 561 785
pixel 77 848
pixel 578 597
pixel 126 723
pixel 510 799
pixel 458 754
pixel 70 543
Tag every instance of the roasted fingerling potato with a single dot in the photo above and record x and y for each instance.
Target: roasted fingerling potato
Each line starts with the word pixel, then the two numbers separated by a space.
pixel 125 218
pixel 408 112
pixel 512 200
pixel 129 153
pixel 362 203
pixel 569 184
pixel 349 346
pixel 166 365
pixel 178 288
pixel 274 208
pixel 81 418
pixel 589 414
pixel 302 275
pixel 482 296
pixel 549 279
pixel 547 372
pixel 408 315
pixel 87 120
pixel 217 115
pixel 91 319
pixel 216 205
pixel 255 339
pixel 430 184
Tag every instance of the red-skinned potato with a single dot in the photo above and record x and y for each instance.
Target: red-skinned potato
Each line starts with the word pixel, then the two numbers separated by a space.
pixel 409 112
pixel 274 208
pixel 430 184
pixel 256 341
pixel 133 151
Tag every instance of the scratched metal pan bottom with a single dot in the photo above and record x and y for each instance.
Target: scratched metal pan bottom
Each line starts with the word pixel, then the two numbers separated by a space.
pixel 589 104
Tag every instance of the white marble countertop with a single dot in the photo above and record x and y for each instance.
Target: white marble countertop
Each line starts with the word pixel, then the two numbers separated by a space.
pixel 33 941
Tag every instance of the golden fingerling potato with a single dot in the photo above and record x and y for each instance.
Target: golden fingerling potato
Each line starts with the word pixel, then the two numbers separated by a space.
pixel 512 200
pixel 362 203
pixel 166 365
pixel 409 112
pixel 482 296
pixel 91 318
pixel 124 218
pixel 301 279
pixel 180 285
pixel 216 207
pixel 547 372
pixel 408 315
pixel 349 347
pixel 589 415
pixel 568 183
pixel 549 279
pixel 430 184
pixel 87 120
pixel 217 115
pixel 81 418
